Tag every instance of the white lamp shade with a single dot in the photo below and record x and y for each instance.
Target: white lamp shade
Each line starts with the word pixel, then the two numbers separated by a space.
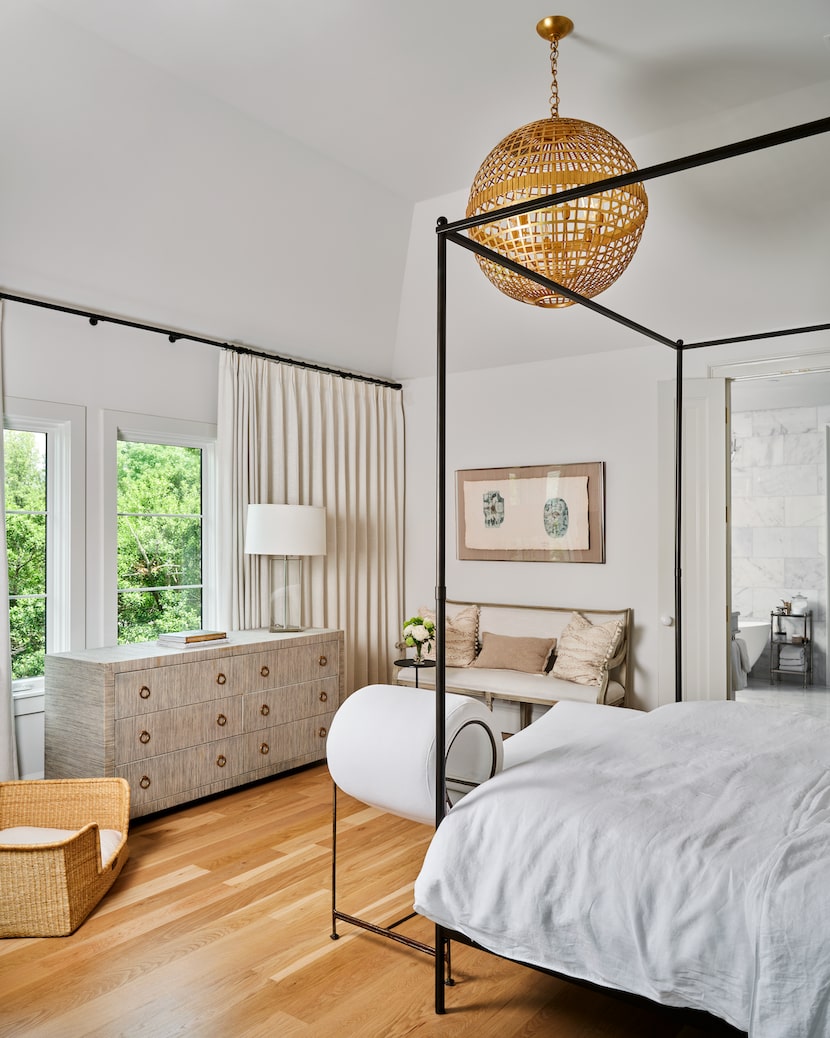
pixel 285 530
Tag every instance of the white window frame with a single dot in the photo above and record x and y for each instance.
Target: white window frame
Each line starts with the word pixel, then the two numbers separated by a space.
pixel 65 429
pixel 175 432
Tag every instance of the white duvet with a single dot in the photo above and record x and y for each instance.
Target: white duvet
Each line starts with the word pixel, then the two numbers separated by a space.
pixel 683 856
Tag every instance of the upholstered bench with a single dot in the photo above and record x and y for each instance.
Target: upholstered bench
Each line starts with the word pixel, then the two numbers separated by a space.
pixel 533 655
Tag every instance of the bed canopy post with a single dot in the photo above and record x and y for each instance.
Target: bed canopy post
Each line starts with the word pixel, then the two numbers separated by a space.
pixel 678 511
pixel 440 582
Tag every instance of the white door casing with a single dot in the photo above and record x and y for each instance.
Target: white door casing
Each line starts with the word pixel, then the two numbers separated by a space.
pixel 704 541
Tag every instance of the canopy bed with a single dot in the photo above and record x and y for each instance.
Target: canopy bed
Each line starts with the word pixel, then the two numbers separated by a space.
pixel 586 851
pixel 714 922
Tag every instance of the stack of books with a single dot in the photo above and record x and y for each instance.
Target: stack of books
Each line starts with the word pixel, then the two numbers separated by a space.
pixel 189 639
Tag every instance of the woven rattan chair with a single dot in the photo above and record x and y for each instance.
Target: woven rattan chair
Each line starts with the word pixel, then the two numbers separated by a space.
pixel 47 889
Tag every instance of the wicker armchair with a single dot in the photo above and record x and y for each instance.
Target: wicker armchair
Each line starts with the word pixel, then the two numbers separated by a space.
pixel 47 889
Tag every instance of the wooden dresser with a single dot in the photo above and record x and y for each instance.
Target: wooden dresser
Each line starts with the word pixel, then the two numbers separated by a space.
pixel 184 723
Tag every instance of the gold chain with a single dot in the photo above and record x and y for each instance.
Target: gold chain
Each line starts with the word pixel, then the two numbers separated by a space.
pixel 554 86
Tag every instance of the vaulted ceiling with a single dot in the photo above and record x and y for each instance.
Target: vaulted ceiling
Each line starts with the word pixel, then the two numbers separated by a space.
pixel 413 95
pixel 270 171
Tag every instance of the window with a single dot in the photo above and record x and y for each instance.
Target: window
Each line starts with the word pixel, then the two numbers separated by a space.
pixel 45 527
pixel 160 540
pixel 158 550
pixel 26 531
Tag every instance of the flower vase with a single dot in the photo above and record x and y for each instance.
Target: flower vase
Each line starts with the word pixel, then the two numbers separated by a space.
pixel 419 648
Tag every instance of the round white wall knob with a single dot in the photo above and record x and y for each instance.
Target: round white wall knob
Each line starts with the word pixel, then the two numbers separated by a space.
pixel 666 620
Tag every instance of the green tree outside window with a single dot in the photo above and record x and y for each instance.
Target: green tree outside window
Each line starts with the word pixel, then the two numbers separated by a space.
pixel 25 488
pixel 159 539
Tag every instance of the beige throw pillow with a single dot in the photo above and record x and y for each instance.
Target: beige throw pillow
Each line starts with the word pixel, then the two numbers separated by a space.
pixel 584 650
pixel 462 636
pixel 502 652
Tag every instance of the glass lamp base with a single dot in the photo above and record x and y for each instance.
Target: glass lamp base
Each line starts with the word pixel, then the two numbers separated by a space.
pixel 286 594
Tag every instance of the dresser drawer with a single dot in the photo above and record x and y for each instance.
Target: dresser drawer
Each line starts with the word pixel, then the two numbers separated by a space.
pixel 148 735
pixel 288 741
pixel 182 724
pixel 161 688
pixel 288 666
pixel 184 771
pixel 277 706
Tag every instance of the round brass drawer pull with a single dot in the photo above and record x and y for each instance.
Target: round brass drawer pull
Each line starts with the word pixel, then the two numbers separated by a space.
pixel 265 748
pixel 323 660
pixel 221 720
pixel 324 697
pixel 144 782
pixel 144 738
pixel 322 732
pixel 221 760
pixel 265 710
pixel 265 672
pixel 220 679
pixel 144 692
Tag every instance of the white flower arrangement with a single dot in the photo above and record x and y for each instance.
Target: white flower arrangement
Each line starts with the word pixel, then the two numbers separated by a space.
pixel 419 634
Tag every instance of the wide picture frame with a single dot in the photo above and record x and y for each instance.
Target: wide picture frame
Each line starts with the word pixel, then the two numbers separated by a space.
pixel 532 513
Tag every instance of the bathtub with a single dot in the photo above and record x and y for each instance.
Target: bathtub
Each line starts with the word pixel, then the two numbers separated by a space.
pixel 755 634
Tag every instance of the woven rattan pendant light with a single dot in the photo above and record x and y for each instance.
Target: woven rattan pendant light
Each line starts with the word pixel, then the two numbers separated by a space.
pixel 583 245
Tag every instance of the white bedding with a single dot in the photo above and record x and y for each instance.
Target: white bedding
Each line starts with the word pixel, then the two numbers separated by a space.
pixel 683 855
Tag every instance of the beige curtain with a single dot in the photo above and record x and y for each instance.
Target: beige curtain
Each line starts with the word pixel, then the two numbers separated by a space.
pixel 288 435
pixel 8 754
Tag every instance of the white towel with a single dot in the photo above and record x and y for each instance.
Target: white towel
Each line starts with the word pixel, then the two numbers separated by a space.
pixel 744 651
pixel 791 653
pixel 740 658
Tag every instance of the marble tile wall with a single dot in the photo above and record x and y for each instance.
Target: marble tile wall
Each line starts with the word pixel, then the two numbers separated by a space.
pixel 779 515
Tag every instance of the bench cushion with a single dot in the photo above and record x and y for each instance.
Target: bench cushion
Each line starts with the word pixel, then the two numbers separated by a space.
pixel 36 836
pixel 515 686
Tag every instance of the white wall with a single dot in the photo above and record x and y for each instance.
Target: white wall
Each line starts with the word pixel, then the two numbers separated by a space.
pixel 726 252
pixel 569 410
pixel 556 412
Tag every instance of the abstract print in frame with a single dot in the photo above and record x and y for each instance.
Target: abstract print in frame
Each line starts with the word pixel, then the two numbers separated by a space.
pixel 533 513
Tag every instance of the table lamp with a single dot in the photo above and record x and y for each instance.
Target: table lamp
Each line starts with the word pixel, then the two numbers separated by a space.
pixel 286 533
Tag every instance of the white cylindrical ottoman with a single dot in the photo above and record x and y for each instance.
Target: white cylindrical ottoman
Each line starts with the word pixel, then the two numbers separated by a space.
pixel 381 748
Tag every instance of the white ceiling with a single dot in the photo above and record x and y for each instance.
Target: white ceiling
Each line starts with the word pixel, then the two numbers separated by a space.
pixel 148 144
pixel 414 95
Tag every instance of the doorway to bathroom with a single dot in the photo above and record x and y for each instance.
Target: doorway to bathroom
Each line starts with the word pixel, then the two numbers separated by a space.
pixel 780 425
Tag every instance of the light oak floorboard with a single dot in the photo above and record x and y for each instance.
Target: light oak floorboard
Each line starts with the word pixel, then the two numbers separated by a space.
pixel 219 925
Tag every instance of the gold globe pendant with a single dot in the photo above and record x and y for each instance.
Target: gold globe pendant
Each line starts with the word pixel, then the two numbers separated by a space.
pixel 584 245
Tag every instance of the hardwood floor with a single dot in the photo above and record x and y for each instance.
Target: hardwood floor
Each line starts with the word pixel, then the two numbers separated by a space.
pixel 219 926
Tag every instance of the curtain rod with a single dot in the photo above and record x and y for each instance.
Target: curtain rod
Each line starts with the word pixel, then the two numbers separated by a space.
pixel 94 318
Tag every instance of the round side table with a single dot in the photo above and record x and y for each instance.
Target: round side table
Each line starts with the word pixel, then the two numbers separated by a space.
pixel 417 664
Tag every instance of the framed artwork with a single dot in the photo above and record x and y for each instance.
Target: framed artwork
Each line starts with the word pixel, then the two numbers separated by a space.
pixel 534 513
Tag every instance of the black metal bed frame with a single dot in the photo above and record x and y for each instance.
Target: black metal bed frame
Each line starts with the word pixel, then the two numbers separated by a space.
pixel 451 232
